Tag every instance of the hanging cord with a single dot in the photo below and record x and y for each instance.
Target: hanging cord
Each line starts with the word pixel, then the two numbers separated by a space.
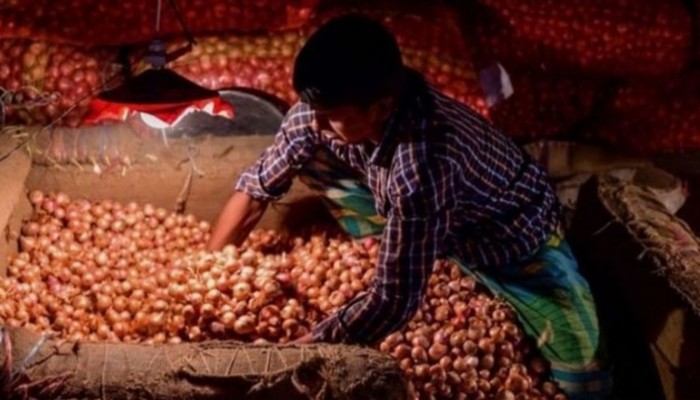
pixel 60 117
pixel 183 196
pixel 158 11
pixel 181 19
pixel 160 57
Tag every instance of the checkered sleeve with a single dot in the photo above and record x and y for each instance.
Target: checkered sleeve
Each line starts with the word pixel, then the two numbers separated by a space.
pixel 412 240
pixel 270 177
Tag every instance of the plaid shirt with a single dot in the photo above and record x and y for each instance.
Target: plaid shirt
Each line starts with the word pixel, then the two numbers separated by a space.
pixel 447 182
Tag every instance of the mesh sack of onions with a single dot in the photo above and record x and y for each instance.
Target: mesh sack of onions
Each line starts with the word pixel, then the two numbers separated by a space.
pixel 44 81
pixel 653 117
pixel 106 271
pixel 544 106
pixel 102 23
pixel 601 37
pixel 262 62
pixel 41 82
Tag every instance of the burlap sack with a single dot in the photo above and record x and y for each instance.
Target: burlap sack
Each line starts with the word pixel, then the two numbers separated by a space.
pixel 644 267
pixel 47 369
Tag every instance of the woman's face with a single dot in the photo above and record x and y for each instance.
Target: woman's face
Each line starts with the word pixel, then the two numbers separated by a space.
pixel 354 124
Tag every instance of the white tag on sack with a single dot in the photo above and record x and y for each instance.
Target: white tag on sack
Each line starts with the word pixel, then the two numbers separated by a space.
pixel 496 84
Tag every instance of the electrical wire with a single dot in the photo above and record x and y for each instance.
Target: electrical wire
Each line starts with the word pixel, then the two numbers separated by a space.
pixel 158 11
pixel 181 19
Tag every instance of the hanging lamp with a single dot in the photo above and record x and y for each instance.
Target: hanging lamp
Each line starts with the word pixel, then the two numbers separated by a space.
pixel 158 95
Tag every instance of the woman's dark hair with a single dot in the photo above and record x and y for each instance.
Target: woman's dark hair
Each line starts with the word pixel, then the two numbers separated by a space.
pixel 350 60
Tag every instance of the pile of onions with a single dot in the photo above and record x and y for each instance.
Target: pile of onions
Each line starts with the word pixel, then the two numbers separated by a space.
pixel 544 106
pixel 599 37
pixel 107 271
pixel 465 344
pixel 90 23
pixel 328 273
pixel 112 271
pixel 652 117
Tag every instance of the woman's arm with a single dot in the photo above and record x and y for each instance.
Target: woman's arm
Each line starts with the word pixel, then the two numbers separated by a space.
pixel 238 217
pixel 267 179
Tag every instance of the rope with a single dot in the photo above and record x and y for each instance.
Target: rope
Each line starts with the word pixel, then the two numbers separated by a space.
pixel 192 153
pixel 10 381
pixel 28 358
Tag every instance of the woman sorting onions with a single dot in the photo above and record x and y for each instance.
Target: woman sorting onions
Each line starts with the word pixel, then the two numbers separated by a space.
pixel 397 159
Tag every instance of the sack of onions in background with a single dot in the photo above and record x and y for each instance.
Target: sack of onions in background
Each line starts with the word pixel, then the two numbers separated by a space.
pixel 88 23
pixel 41 82
pixel 128 272
pixel 547 106
pixel 652 117
pixel 260 61
pixel 263 62
pixel 596 38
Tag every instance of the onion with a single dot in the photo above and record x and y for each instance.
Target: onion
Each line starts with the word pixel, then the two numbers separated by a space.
pixel 102 302
pixel 242 291
pixel 244 325
pixel 36 197
pixel 436 351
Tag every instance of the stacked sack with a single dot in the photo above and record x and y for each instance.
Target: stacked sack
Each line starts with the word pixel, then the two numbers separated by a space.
pixel 134 22
pixel 580 69
pixel 654 117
